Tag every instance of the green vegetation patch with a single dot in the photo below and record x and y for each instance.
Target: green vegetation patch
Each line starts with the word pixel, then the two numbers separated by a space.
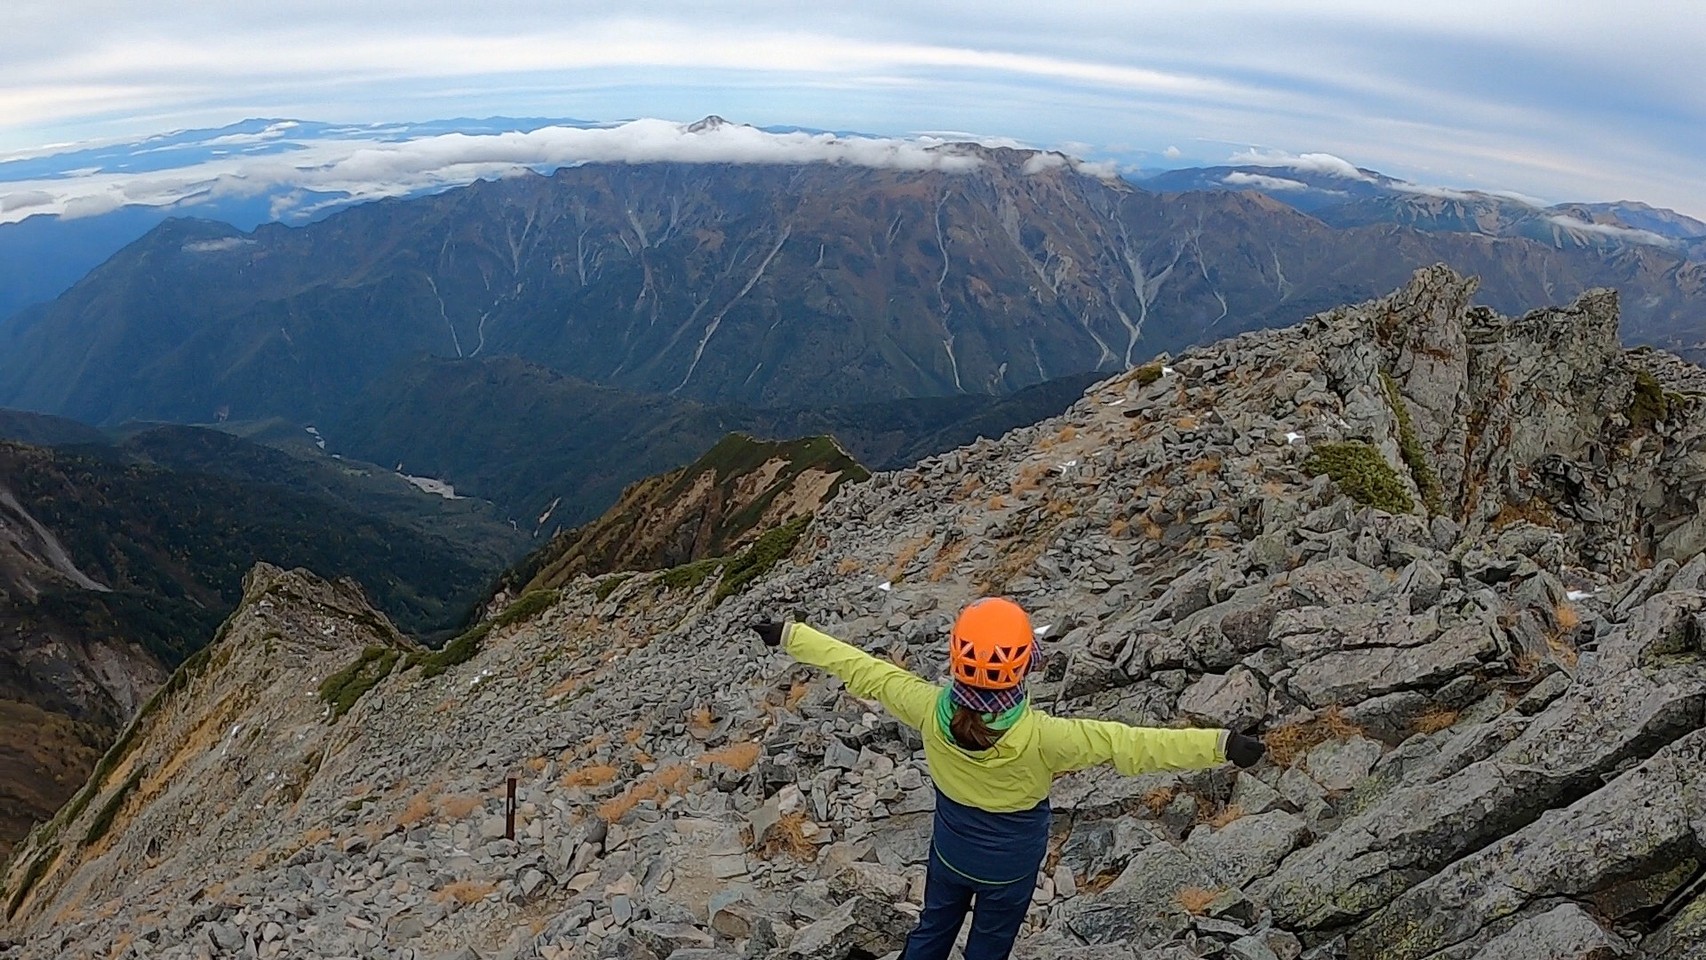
pixel 689 576
pixel 1147 374
pixel 1649 405
pixel 756 560
pixel 608 585
pixel 527 606
pixel 37 867
pixel 1362 473
pixel 456 652
pixel 109 811
pixel 1421 471
pixel 341 690
pixel 467 643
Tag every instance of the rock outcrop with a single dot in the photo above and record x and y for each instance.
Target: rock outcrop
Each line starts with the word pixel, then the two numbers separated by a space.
pixel 1485 705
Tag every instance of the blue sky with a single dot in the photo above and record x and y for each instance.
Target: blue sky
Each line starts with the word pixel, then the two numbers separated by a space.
pixel 1559 99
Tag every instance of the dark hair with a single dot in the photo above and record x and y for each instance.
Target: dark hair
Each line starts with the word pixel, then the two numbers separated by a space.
pixel 970 731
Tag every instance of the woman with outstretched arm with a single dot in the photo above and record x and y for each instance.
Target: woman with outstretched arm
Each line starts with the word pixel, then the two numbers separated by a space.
pixel 993 758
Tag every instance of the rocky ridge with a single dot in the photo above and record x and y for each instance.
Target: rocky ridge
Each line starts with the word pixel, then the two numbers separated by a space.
pixel 735 492
pixel 1485 710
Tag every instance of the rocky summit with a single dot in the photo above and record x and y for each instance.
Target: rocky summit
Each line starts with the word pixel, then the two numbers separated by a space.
pixel 1448 563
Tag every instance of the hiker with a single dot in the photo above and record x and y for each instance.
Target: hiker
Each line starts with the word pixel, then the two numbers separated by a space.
pixel 993 758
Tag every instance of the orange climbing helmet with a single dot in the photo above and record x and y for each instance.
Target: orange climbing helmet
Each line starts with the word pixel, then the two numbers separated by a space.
pixel 991 645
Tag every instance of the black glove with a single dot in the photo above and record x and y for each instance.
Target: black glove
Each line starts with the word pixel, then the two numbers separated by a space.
pixel 1244 751
pixel 771 633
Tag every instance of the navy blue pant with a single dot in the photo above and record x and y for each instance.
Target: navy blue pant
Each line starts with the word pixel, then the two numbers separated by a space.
pixel 997 909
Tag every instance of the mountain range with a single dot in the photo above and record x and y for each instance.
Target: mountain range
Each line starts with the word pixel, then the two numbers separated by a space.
pixel 766 285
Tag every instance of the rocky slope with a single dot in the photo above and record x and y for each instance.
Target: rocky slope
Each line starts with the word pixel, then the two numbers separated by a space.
pixel 114 568
pixel 726 499
pixel 1485 703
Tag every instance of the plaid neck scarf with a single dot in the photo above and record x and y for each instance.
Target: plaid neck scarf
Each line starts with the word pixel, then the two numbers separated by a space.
pixel 1001 719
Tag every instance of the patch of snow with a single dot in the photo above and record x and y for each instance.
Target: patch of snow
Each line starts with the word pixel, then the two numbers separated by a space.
pixel 435 487
pixel 885 586
pixel 1116 401
pixel 1291 437
pixel 319 441
pixel 1166 371
pixel 1043 630
pixel 1068 465
pixel 1579 594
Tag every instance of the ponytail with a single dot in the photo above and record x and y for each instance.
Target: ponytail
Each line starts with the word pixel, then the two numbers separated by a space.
pixel 971 731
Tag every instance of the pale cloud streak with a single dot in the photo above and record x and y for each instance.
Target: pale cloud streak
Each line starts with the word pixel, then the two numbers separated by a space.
pixel 368 169
pixel 1239 178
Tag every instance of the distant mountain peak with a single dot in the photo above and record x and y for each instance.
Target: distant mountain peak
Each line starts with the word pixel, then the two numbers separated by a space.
pixel 709 124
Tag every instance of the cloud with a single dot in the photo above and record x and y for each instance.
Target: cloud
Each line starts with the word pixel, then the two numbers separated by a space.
pixel 1039 162
pixel 1322 163
pixel 367 169
pixel 216 246
pixel 1172 153
pixel 1239 178
pixel 24 200
pixel 1626 234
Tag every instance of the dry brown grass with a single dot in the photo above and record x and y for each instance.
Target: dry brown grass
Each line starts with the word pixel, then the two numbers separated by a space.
pixel 904 557
pixel 1187 422
pixel 312 837
pixel 1101 881
pixel 1065 434
pixel 464 892
pixel 703 719
pixel 736 756
pixel 1436 718
pixel 788 837
pixel 1226 815
pixel 796 692
pixel 655 788
pixel 1563 650
pixel 673 777
pixel 1535 511
pixel 634 734
pixel 970 485
pixel 1059 509
pixel 1030 478
pixel 946 557
pixel 1196 900
pixel 618 806
pixel 121 943
pixel 997 502
pixel 596 775
pixel 457 806
pixel 1151 529
pixel 562 688
pixel 419 808
pixel 536 764
pixel 1118 527
pixel 1158 799
pixel 1207 466
pixel 1567 617
pixel 1287 744
pixel 847 566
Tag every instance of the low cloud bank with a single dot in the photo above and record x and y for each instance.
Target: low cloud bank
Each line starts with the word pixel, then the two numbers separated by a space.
pixel 1239 178
pixel 1324 164
pixel 341 170
pixel 1626 234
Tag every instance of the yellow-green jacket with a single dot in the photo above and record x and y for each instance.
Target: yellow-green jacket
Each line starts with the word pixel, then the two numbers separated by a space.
pixel 1016 773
